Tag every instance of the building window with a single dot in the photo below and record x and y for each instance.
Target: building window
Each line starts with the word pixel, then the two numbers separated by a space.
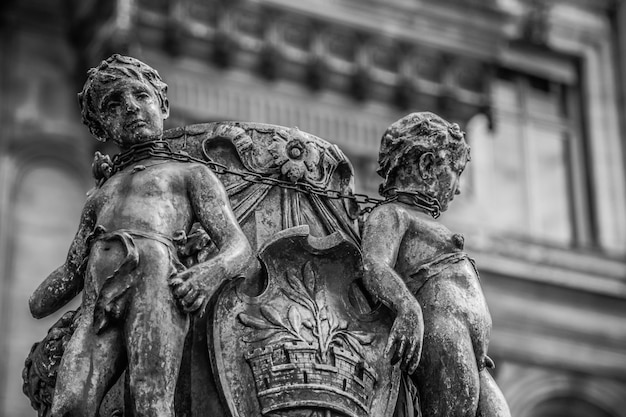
pixel 538 181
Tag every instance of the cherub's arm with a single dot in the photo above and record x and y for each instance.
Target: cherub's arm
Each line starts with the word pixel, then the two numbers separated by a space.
pixel 212 209
pixel 383 233
pixel 62 285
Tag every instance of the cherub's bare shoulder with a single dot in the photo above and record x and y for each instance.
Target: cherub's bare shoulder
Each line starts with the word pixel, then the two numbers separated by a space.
pixel 196 169
pixel 399 214
pixel 388 216
pixel 202 181
pixel 389 210
pixel 95 196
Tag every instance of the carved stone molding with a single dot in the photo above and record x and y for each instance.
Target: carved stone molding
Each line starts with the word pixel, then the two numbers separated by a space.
pixel 276 41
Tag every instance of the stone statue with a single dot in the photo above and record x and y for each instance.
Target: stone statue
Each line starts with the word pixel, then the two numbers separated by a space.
pixel 179 317
pixel 136 292
pixel 418 268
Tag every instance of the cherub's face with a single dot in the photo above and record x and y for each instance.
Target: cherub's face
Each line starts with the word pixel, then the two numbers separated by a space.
pixel 130 113
pixel 448 184
pixel 437 177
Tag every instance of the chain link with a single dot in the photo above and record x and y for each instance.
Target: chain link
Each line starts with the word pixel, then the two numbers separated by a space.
pixel 161 149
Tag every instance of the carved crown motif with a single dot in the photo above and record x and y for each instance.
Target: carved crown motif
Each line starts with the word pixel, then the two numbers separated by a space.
pixel 310 358
pixel 289 375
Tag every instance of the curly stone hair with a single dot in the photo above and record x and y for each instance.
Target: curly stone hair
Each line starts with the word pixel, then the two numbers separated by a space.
pixel 109 71
pixel 417 134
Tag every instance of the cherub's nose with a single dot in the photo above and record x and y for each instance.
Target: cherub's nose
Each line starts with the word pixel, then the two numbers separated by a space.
pixel 131 105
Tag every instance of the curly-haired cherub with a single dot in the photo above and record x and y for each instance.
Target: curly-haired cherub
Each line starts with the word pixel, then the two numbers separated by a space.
pixel 136 293
pixel 418 267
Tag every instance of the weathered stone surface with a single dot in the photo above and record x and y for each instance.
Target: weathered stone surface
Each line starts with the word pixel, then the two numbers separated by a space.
pixel 418 267
pixel 307 348
pixel 137 296
pixel 179 317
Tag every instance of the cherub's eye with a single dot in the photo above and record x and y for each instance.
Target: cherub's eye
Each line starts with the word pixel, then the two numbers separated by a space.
pixel 112 105
pixel 142 95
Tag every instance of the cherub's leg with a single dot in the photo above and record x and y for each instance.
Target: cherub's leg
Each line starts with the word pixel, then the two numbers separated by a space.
pixel 491 402
pixel 91 364
pixel 447 377
pixel 155 335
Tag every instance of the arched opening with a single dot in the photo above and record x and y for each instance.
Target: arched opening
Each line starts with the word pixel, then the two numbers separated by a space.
pixel 536 392
pixel 568 407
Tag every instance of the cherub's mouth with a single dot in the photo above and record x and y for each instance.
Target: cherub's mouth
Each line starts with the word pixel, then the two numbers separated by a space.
pixel 135 124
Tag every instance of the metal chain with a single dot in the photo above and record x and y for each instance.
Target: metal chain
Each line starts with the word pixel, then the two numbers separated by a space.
pixel 161 149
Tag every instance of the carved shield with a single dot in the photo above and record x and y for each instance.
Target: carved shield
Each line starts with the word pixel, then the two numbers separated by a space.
pixel 303 347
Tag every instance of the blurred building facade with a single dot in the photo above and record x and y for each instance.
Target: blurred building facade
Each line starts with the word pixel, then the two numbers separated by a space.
pixel 538 85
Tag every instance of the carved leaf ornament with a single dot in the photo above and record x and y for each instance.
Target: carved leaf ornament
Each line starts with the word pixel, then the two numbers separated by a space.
pixel 308 318
pixel 301 343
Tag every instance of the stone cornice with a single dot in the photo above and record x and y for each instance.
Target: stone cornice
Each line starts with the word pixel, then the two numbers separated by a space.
pixel 581 270
pixel 465 28
pixel 396 55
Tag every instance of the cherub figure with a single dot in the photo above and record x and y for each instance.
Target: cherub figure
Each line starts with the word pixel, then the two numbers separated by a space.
pixel 418 268
pixel 137 296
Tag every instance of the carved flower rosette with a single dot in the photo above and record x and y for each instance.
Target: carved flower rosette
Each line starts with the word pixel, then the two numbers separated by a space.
pixel 288 154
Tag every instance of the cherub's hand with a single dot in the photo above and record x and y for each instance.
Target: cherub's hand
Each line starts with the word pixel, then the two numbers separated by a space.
pixel 189 289
pixel 406 337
